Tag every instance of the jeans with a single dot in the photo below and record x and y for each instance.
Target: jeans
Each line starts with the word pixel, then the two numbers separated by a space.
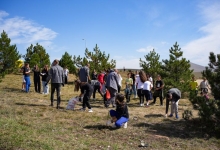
pixel 134 90
pixel 120 121
pixel 113 93
pixel 128 92
pixel 45 88
pixel 28 83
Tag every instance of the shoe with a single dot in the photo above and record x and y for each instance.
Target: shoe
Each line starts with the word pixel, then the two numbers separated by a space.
pixel 171 115
pixel 90 110
pixel 125 125
pixel 141 105
pixel 82 109
pixel 58 107
pixel 177 117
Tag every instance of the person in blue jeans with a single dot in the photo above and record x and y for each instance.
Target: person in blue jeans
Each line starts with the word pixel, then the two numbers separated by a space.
pixel 120 116
pixel 26 73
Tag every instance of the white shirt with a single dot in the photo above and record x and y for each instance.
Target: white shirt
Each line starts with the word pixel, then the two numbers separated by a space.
pixel 66 71
pixel 139 83
pixel 204 84
pixel 147 85
pixel 119 79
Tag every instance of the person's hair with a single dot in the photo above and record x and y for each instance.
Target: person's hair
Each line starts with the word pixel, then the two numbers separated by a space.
pixel 120 100
pixel 142 76
pixel 56 61
pixel 77 85
pixel 37 68
pixel 26 64
pixel 47 68
pixel 168 95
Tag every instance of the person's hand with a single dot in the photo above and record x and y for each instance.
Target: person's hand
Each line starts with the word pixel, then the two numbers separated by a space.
pixel 63 84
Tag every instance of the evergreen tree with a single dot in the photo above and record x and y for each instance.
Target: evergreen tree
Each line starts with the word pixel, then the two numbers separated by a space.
pixel 176 71
pixel 37 55
pixel 152 65
pixel 98 60
pixel 66 61
pixel 8 55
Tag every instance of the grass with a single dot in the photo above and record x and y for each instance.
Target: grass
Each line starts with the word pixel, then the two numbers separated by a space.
pixel 27 122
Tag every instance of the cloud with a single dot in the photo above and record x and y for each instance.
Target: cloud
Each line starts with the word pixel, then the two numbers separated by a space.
pixel 145 50
pixel 129 62
pixel 197 51
pixel 23 31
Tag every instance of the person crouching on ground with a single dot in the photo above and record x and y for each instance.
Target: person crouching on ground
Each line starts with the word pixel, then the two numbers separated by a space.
pixel 173 95
pixel 86 92
pixel 120 116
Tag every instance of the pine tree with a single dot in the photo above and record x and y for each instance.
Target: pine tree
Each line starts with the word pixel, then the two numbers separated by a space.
pixel 98 60
pixel 212 73
pixel 37 55
pixel 176 71
pixel 8 55
pixel 152 65
pixel 66 61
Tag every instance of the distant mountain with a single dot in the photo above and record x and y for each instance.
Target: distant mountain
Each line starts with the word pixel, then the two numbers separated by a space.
pixel 196 67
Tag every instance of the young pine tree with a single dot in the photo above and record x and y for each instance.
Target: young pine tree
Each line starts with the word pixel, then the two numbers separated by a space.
pixel 66 61
pixel 8 55
pixel 176 71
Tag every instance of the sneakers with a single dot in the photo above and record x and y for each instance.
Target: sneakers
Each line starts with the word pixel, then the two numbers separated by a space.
pixel 125 125
pixel 141 105
pixel 171 115
pixel 177 117
pixel 90 110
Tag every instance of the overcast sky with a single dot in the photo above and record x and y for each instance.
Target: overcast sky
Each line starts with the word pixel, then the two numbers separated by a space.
pixel 126 29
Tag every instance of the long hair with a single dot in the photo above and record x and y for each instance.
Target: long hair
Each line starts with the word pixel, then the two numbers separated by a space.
pixel 142 76
pixel 77 85
pixel 47 68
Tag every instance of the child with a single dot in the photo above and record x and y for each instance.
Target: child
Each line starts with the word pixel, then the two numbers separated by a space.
pixel 147 90
pixel 120 116
pixel 128 88
pixel 86 91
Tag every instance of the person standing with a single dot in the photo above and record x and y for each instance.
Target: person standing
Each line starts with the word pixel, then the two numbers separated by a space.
pixel 37 85
pixel 23 79
pixel 158 92
pixel 57 77
pixel 26 73
pixel 112 86
pixel 173 95
pixel 86 91
pixel 66 73
pixel 44 74
pixel 128 87
pixel 133 76
pixel 147 90
pixel 204 86
pixel 193 86
pixel 119 80
pixel 140 84
pixel 84 73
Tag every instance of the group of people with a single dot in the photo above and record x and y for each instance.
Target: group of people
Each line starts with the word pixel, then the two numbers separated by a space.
pixel 106 82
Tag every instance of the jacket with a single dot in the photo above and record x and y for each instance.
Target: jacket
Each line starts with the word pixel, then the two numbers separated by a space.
pixel 112 80
pixel 56 74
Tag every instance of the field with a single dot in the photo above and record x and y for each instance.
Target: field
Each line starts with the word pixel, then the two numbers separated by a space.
pixel 28 123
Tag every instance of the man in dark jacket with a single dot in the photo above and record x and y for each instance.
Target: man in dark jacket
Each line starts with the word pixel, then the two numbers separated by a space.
pixel 57 77
pixel 173 95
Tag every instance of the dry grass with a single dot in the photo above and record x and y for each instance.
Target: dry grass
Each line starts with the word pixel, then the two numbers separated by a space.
pixel 27 122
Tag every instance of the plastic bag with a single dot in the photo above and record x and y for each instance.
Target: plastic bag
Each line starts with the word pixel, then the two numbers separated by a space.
pixel 108 96
pixel 72 102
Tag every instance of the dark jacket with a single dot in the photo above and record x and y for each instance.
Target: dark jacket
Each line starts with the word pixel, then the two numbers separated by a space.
pixel 44 75
pixel 122 111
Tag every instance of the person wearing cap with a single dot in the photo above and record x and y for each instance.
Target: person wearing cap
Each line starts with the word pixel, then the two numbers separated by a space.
pixel 173 95
pixel 57 77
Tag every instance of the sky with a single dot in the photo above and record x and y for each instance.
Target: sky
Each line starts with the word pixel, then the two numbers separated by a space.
pixel 126 29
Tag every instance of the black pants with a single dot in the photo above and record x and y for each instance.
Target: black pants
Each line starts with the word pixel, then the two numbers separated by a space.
pixel 37 85
pixel 158 94
pixel 66 79
pixel 57 87
pixel 86 98
pixel 140 95
pixel 119 89
pixel 97 87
